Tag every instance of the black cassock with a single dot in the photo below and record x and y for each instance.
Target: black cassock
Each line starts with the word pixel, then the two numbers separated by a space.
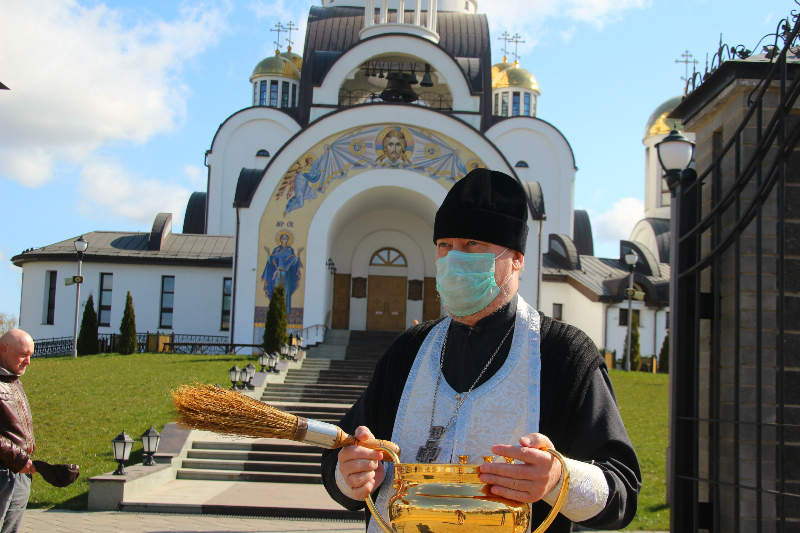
pixel 579 411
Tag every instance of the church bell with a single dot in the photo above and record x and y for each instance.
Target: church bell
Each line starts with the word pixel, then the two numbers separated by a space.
pixel 398 89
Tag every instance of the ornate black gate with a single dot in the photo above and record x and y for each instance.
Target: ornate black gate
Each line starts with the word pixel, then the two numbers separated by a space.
pixel 735 382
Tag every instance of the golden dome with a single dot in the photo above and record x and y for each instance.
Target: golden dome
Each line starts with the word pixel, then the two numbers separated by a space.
pixel 497 68
pixel 658 122
pixel 294 58
pixel 276 66
pixel 515 77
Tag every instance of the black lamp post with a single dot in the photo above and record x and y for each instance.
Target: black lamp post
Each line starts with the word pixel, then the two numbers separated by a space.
pixel 263 360
pixel 234 374
pixel 273 361
pixel 675 154
pixel 121 445
pixel 249 371
pixel 80 247
pixel 293 353
pixel 150 440
pixel 631 258
pixel 284 350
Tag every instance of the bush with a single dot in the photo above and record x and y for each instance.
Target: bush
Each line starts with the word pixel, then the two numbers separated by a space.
pixel 127 329
pixel 636 355
pixel 276 323
pixel 663 356
pixel 87 339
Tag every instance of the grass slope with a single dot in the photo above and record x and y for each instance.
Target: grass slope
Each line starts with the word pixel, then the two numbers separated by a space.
pixel 643 402
pixel 79 405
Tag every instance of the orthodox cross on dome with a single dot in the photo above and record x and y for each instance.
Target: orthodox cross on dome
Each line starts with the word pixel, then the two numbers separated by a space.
pixel 516 39
pixel 290 28
pixel 279 28
pixel 505 37
pixel 687 60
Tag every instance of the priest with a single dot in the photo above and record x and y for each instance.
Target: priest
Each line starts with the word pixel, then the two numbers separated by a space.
pixel 494 377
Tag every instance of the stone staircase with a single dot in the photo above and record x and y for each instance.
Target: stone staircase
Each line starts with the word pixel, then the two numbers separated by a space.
pixel 333 376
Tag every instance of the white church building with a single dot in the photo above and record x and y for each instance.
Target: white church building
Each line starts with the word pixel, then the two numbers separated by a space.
pixel 329 183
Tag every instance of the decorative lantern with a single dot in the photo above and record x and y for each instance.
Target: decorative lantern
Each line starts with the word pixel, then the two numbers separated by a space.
pixel 121 445
pixel 150 440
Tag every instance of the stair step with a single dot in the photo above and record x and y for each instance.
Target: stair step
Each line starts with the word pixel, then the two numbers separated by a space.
pixel 250 456
pixel 284 447
pixel 256 477
pixel 253 466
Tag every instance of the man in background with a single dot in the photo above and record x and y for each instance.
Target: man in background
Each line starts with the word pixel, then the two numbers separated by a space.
pixel 16 430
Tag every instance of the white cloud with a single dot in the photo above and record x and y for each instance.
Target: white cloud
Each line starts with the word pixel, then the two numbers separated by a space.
pixel 82 77
pixel 197 176
pixel 616 224
pixel 108 189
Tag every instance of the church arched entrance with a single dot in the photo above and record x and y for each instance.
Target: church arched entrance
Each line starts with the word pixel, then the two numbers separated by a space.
pixel 387 290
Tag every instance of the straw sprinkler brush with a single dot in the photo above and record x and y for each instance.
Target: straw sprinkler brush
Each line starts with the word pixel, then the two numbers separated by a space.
pixel 211 408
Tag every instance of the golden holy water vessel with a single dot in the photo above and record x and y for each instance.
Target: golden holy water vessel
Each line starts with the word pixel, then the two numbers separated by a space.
pixel 449 498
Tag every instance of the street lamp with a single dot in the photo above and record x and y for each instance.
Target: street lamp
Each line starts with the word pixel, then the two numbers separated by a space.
pixel 80 247
pixel 284 350
pixel 150 440
pixel 248 372
pixel 293 353
pixel 675 154
pixel 122 445
pixel 631 259
pixel 263 360
pixel 273 362
pixel 234 374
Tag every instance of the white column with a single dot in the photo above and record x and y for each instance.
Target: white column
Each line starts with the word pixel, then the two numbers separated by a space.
pixel 369 13
pixel 401 9
pixel 432 15
pixel 385 12
pixel 416 12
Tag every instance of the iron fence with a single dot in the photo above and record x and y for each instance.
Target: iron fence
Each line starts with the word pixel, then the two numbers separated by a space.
pixel 735 396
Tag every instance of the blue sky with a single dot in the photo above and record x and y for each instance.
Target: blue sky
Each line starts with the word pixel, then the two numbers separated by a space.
pixel 113 104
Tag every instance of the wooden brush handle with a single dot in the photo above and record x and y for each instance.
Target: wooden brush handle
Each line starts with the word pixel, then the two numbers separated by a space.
pixel 372 444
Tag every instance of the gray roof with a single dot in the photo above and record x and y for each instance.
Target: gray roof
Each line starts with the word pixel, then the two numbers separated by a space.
pixel 605 280
pixel 125 247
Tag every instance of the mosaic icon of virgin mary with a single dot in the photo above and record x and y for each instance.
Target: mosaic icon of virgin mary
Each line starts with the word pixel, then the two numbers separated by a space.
pixel 283 267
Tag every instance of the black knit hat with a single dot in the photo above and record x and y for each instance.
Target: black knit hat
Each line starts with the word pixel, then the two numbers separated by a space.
pixel 484 205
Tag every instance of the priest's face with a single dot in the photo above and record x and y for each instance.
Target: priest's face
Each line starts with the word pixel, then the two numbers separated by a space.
pixel 507 265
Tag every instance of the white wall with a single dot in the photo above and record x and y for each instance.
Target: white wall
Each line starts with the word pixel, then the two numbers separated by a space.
pixel 197 302
pixel 576 309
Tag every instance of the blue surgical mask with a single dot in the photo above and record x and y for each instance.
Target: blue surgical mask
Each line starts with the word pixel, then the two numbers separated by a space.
pixel 466 281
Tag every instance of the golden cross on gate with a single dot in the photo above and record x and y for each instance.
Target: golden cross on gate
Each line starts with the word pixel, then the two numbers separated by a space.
pixel 687 60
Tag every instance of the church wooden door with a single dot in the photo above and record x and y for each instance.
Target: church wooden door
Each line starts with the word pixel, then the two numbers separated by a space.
pixel 340 318
pixel 386 303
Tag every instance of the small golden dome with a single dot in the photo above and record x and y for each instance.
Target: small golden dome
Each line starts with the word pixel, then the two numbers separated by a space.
pixel 515 77
pixel 497 68
pixel 658 122
pixel 276 66
pixel 294 58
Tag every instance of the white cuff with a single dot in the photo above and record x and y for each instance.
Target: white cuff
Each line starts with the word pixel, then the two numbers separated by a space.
pixel 344 487
pixel 587 494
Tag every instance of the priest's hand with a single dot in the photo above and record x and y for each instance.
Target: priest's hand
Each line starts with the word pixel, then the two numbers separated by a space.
pixel 361 467
pixel 529 481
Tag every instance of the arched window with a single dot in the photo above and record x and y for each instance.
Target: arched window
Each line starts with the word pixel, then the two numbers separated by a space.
pixel 262 153
pixel 521 164
pixel 388 257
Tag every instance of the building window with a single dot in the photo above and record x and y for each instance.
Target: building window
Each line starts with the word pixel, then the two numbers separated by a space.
pixel 262 99
pixel 527 109
pixel 50 297
pixel 623 317
pixel 227 290
pixel 294 95
pixel 273 93
pixel 262 153
pixel 558 310
pixel 496 103
pixel 388 257
pixel 515 105
pixel 167 301
pixel 504 109
pixel 521 164
pixel 285 94
pixel 106 284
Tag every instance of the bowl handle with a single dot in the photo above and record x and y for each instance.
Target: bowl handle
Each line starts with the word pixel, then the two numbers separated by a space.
pixel 562 494
pixel 371 504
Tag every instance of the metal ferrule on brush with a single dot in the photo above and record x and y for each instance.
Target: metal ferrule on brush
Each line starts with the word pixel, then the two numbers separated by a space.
pixel 314 432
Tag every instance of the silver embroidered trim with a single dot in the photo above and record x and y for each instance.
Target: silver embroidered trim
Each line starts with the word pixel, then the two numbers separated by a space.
pixel 587 494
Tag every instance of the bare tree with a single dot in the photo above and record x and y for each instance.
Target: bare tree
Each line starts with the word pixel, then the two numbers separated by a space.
pixel 7 322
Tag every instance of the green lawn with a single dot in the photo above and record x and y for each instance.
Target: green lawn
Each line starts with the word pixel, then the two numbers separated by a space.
pixel 79 405
pixel 643 401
